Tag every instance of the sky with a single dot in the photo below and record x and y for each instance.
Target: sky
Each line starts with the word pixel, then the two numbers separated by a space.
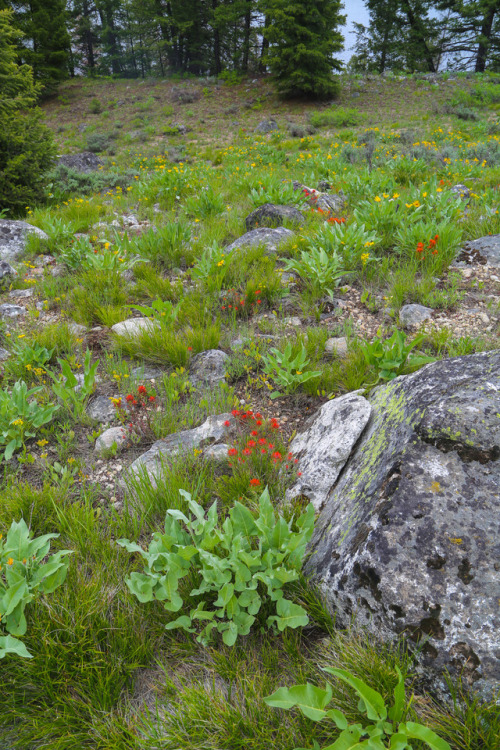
pixel 356 12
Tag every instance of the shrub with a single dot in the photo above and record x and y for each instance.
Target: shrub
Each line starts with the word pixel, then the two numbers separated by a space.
pixel 335 117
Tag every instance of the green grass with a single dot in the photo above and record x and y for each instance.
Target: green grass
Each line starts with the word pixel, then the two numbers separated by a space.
pixel 105 673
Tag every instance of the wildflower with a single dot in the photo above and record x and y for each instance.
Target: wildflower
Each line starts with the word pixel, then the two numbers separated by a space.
pixel 141 389
pixel 129 398
pixel 364 258
pixel 41 443
pixel 227 423
pixel 232 452
pixel 251 444
pixel 277 456
pixel 18 422
pixel 10 561
pixel 377 199
pixel 420 247
pixel 254 433
pixel 152 398
pixel 255 482
pixel 262 441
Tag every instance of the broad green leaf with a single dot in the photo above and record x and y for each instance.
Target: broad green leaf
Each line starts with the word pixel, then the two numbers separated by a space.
pixel 396 712
pixel 225 595
pixel 374 703
pixel 398 742
pixel 311 700
pixel 140 586
pixel 290 615
pixel 10 448
pixel 243 520
pixel 11 645
pixel 338 717
pixel 349 739
pixel 230 634
pixel 419 732
pixel 15 594
pixel 183 622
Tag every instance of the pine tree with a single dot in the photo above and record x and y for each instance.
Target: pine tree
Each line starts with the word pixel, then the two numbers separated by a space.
pixel 303 37
pixel 26 146
pixel 46 42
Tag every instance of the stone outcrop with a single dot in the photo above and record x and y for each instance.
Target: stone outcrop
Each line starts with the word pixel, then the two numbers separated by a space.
pixel 208 368
pixel 85 162
pixel 13 237
pixel 270 215
pixel 408 540
pixel 271 239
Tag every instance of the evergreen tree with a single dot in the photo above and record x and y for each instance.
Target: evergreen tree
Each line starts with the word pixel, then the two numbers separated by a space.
pixel 303 38
pixel 46 43
pixel 26 146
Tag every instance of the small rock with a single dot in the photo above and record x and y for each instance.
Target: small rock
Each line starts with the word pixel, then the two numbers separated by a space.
pixel 270 215
pixel 115 435
pixel 13 237
pixel 6 270
pixel 11 311
pixel 293 321
pixel 412 316
pixel 77 329
pixel 208 368
pixel 101 409
pixel 146 373
pixel 84 162
pixel 134 327
pixel 4 354
pixel 270 238
pixel 21 293
pixel 266 126
pixel 337 346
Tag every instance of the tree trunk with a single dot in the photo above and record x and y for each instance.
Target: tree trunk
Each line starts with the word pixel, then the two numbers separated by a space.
pixel 484 40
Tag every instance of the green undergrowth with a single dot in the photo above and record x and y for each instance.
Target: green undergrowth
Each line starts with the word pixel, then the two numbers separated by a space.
pixel 154 231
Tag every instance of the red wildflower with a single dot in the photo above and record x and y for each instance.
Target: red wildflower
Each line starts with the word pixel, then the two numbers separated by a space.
pixel 255 482
pixel 251 444
pixel 254 433
pixel 129 397
pixel 227 423
pixel 141 389
pixel 232 452
pixel 152 398
pixel 262 441
pixel 277 455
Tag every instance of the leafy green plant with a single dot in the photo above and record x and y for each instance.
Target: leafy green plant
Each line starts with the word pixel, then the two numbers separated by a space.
pixel 350 241
pixel 161 310
pixel 280 193
pixel 388 728
pixel 239 566
pixel 211 267
pixel 23 576
pixel 286 370
pixel 70 390
pixel 319 270
pixel 20 417
pixel 392 357
pixel 82 254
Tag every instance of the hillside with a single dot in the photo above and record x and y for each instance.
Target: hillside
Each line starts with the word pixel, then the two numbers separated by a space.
pixel 219 271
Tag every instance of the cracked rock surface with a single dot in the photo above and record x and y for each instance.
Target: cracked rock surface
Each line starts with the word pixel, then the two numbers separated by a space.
pixel 409 536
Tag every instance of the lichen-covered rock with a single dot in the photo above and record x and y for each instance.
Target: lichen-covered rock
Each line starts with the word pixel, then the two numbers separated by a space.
pixel 270 215
pixel 409 537
pixel 412 316
pixel 324 448
pixel 6 270
pixel 12 311
pixel 483 251
pixel 101 409
pixel 208 368
pixel 270 238
pixel 13 236
pixel 337 346
pixel 266 126
pixel 84 162
pixel 211 434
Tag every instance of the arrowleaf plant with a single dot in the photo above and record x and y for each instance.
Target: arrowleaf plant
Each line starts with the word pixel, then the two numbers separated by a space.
pixel 286 370
pixel 21 416
pixel 239 565
pixel 392 357
pixel 23 576
pixel 388 729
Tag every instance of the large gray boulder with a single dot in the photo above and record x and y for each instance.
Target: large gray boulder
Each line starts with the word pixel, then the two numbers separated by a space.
pixel 270 215
pixel 270 238
pixel 408 541
pixel 323 449
pixel 13 237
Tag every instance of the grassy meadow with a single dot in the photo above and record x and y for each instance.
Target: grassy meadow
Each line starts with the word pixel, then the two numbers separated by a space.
pixel 147 235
